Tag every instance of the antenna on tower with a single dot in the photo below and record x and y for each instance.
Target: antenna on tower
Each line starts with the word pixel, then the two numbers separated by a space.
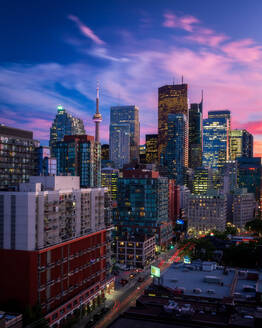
pixel 173 81
pixel 182 79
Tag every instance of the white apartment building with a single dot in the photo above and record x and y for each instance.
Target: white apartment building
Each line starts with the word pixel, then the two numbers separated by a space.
pixel 49 210
pixel 206 212
pixel 243 208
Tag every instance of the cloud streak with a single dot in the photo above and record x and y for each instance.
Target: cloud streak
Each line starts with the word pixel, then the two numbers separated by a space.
pixel 85 30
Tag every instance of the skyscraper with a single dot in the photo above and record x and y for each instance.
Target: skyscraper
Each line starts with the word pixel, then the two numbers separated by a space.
pixel 128 115
pixel 240 144
pixel 216 130
pixel 119 144
pixel 97 119
pixel 45 164
pixel 75 156
pixel 64 124
pixel 17 157
pixel 175 155
pixel 195 135
pixel 151 148
pixel 172 99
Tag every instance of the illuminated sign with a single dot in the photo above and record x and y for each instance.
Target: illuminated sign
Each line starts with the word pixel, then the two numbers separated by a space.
pixel 187 260
pixel 155 271
pixel 179 221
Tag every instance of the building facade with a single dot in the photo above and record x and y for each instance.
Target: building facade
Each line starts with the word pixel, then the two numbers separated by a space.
pixel 249 175
pixel 215 141
pixel 206 213
pixel 243 208
pixel 195 135
pixel 175 157
pixel 136 252
pixel 110 181
pixel 17 157
pixel 54 234
pixel 172 99
pixel 76 156
pixel 128 115
pixel 64 124
pixel 142 206
pixel 119 143
pixel 240 144
pixel 46 165
pixel 151 148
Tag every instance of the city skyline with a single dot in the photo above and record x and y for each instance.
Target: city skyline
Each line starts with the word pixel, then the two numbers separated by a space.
pixel 54 55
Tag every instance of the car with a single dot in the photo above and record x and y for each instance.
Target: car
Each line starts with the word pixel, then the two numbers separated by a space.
pixel 123 282
pixel 132 276
pixel 141 279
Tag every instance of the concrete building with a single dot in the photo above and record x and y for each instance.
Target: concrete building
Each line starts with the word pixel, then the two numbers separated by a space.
pixel 53 233
pixel 206 212
pixel 243 207
pixel 137 252
pixel 17 157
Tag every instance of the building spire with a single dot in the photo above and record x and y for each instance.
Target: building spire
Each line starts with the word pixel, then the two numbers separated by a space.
pixel 97 118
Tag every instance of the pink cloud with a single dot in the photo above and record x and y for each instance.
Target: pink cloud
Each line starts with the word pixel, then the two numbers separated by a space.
pixel 86 30
pixel 257 148
pixel 207 37
pixel 184 22
pixel 243 50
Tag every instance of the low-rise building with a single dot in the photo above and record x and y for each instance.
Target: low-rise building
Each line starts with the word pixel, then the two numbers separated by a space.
pixel 137 252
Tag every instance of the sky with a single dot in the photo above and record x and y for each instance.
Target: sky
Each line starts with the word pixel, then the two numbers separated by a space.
pixel 54 52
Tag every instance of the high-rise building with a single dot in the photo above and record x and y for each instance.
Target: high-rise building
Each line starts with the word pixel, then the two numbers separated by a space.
pixel 75 156
pixel 46 165
pixel 172 99
pixel 64 124
pixel 142 205
pixel 175 154
pixel 240 144
pixel 216 130
pixel 202 181
pixel 119 144
pixel 151 148
pixel 128 115
pixel 195 135
pixel 17 157
pixel 249 175
pixel 55 238
pixel 221 113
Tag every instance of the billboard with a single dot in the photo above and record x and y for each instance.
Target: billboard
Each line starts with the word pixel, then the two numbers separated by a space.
pixel 155 271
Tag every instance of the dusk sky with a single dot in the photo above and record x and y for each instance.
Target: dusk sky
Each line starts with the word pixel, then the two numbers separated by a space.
pixel 53 52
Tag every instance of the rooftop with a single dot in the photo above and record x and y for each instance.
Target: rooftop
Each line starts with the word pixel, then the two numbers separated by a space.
pixel 191 278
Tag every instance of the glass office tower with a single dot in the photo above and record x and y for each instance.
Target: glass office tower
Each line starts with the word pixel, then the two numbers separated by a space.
pixel 172 99
pixel 64 124
pixel 195 135
pixel 240 144
pixel 128 116
pixel 215 140
pixel 75 156
pixel 174 158
pixel 119 144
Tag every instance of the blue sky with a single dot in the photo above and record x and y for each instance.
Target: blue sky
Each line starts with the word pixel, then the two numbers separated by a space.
pixel 53 52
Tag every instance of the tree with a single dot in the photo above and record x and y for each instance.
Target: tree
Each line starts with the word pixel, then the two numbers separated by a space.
pixel 255 226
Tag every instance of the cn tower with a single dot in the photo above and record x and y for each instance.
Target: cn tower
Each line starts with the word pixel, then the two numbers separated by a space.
pixel 97 118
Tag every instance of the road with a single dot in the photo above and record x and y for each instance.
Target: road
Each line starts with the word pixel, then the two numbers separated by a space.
pixel 129 294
